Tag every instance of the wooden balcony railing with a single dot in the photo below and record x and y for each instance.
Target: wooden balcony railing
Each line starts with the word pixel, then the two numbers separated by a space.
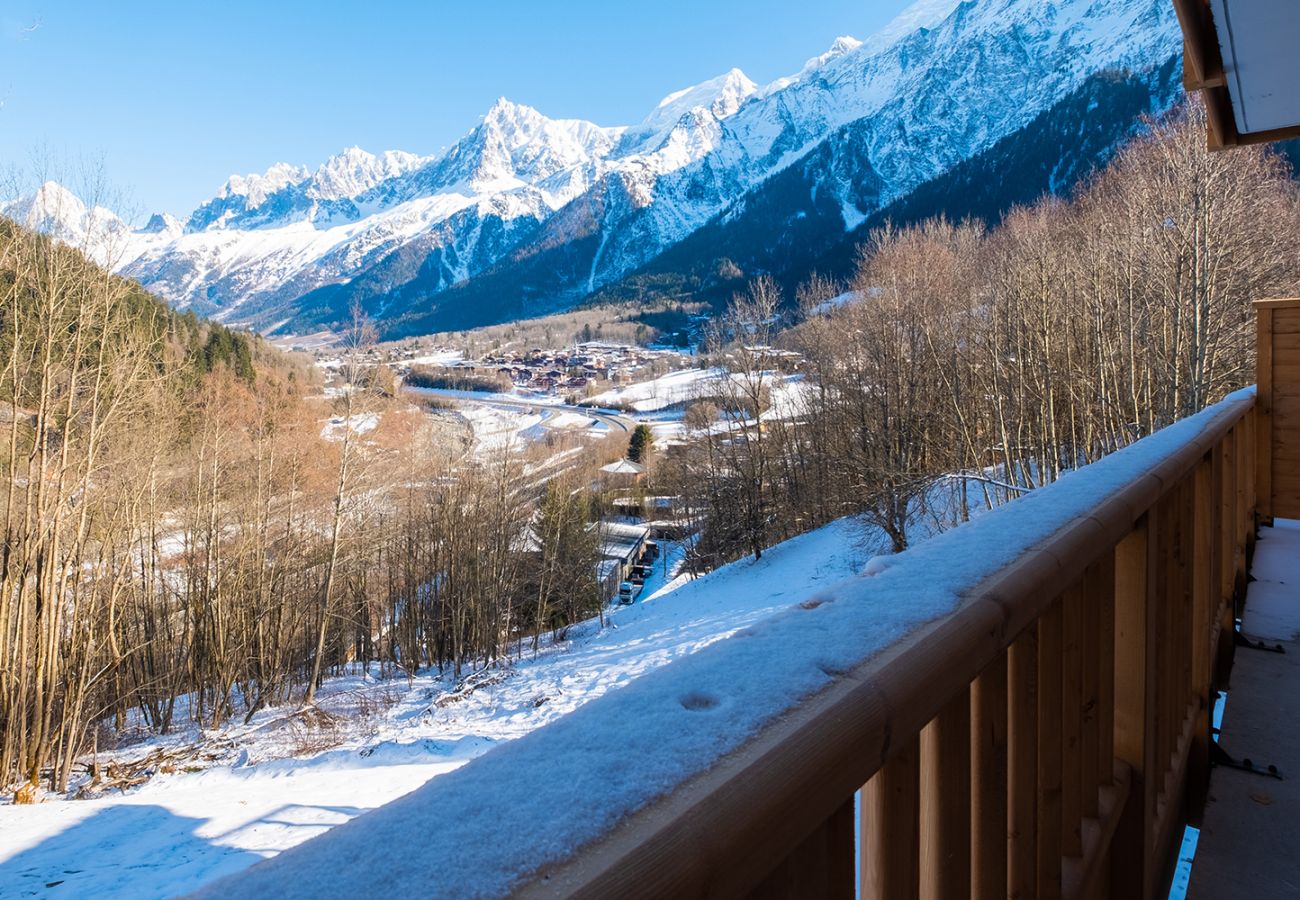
pixel 1046 738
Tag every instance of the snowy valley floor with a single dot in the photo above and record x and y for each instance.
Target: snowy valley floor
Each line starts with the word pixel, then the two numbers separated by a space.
pixel 266 787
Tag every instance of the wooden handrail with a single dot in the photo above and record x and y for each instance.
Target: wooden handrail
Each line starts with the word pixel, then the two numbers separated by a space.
pixel 1128 569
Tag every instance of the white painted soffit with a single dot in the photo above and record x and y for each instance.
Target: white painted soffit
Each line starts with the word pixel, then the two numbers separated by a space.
pixel 1260 44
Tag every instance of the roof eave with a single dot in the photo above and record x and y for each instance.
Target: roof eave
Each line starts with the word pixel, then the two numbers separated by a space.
pixel 1203 71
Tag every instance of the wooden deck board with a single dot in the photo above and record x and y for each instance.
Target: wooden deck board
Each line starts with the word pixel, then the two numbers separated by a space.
pixel 1251 827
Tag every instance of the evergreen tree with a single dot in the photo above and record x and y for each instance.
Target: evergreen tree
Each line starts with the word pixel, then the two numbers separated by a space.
pixel 638 446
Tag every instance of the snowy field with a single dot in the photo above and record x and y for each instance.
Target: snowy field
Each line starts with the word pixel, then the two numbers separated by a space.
pixel 670 390
pixel 496 428
pixel 182 829
pixel 437 358
pixel 514 420
pixel 500 427
pixel 652 399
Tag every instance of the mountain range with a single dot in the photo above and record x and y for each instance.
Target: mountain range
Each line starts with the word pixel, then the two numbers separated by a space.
pixel 959 106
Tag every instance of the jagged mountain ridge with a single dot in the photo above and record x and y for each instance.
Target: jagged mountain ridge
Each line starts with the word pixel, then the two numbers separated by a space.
pixel 527 214
pixel 1048 156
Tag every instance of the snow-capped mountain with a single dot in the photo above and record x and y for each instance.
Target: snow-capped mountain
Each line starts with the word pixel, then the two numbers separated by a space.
pixel 527 214
pixel 56 211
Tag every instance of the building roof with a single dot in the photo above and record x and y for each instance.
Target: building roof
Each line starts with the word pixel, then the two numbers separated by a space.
pixel 624 467
pixel 620 541
pixel 1241 55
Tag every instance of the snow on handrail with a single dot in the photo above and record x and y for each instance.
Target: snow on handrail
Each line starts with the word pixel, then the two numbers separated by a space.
pixel 505 819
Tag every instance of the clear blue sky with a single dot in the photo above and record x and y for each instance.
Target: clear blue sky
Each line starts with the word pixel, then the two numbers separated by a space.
pixel 170 98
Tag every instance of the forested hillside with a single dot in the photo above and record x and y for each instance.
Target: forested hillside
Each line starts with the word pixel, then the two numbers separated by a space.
pixel 192 529
pixel 792 226
pixel 963 365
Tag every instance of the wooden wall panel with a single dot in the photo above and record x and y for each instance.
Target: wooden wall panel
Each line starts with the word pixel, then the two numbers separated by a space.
pixel 1278 376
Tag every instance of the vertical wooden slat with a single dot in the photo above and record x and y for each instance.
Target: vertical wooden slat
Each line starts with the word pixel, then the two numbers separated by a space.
pixel 1252 474
pixel 1227 515
pixel 1090 691
pixel 1264 411
pixel 1157 661
pixel 1022 766
pixel 1136 576
pixel 945 802
pixel 1223 557
pixel 1204 629
pixel 891 808
pixel 1072 714
pixel 989 791
pixel 1106 671
pixel 1049 752
pixel 1187 611
pixel 1248 505
pixel 1243 513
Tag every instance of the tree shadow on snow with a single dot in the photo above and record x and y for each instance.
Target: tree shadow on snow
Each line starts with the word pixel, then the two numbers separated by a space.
pixel 125 850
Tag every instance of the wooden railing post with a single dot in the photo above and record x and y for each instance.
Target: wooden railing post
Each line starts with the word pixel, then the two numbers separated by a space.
pixel 1276 433
pixel 1135 705
pixel 945 802
pixel 1022 766
pixel 989 792
pixel 1050 715
pixel 1264 410
pixel 1204 631
pixel 891 831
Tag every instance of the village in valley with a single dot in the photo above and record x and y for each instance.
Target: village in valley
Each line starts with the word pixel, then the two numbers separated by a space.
pixel 602 408
pixel 604 411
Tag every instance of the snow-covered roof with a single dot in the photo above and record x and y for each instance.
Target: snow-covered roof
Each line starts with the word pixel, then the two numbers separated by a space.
pixel 622 541
pixel 624 467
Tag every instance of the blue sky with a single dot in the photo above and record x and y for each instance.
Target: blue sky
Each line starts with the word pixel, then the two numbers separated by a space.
pixel 170 98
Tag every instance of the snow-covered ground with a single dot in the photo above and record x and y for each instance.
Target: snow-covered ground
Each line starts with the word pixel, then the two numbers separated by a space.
pixel 248 792
pixel 437 358
pixel 580 777
pixel 359 424
pixel 182 829
pixel 668 390
pixel 497 427
pixel 654 401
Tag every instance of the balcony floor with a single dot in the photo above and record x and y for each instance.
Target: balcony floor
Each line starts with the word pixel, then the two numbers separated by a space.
pixel 1250 837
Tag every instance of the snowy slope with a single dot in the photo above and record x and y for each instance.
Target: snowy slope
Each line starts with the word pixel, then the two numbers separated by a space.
pixel 527 214
pixel 807 610
pixel 181 830
pixel 579 778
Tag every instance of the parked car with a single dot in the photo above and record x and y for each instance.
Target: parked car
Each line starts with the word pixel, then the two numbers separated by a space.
pixel 625 589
